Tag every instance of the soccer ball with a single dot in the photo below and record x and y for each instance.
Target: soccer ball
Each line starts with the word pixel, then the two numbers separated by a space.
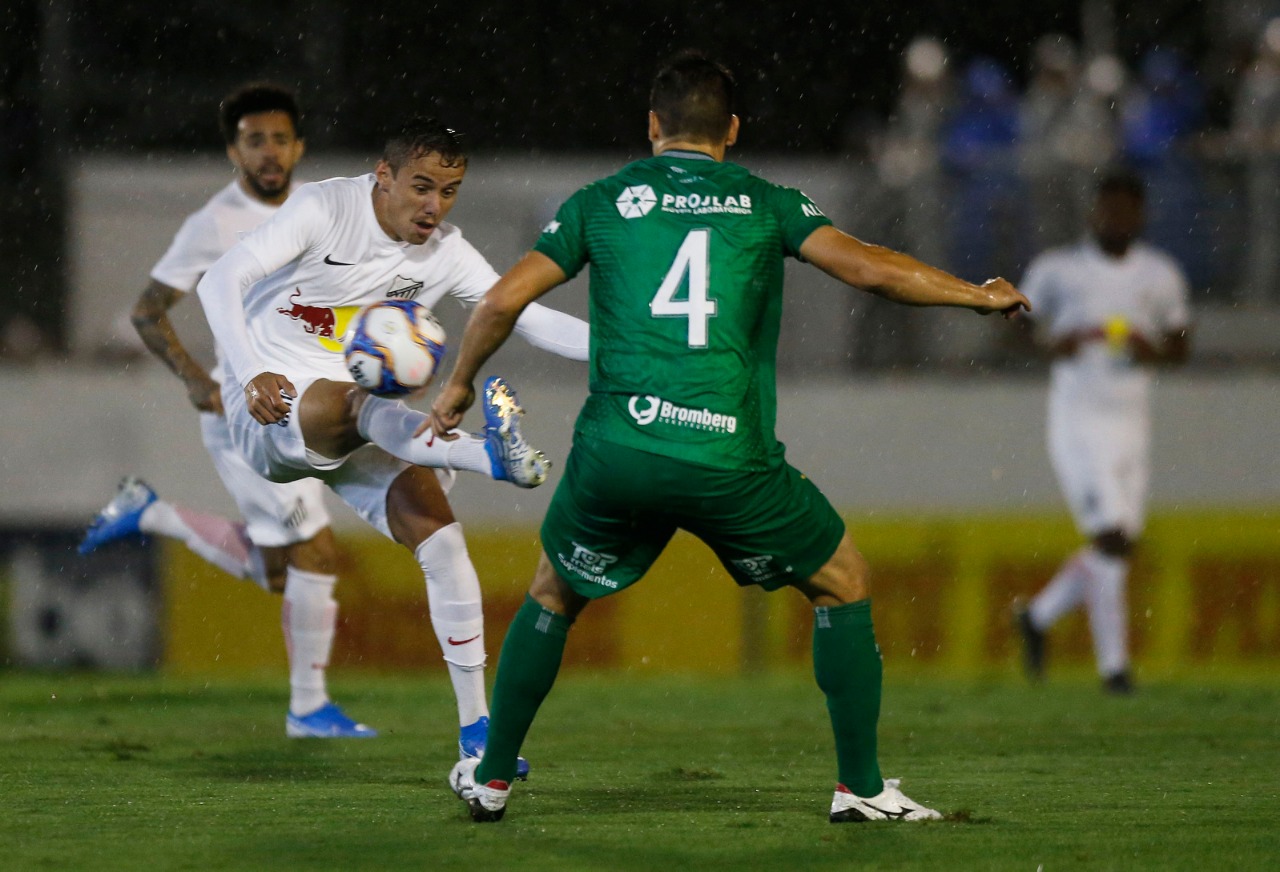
pixel 393 348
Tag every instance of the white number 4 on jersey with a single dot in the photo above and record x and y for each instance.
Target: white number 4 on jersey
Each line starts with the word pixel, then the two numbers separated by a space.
pixel 691 259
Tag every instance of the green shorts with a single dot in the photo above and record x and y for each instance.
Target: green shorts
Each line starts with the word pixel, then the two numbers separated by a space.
pixel 616 508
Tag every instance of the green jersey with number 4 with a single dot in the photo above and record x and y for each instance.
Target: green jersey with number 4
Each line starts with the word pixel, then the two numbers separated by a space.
pixel 686 259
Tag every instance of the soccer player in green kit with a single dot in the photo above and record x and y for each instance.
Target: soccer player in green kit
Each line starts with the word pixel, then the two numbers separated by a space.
pixel 686 254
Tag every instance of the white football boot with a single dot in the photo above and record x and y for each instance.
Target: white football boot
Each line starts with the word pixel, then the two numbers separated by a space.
pixel 890 804
pixel 487 802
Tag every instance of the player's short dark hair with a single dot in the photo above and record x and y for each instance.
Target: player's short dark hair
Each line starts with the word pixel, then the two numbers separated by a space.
pixel 255 97
pixel 693 97
pixel 421 135
pixel 1122 180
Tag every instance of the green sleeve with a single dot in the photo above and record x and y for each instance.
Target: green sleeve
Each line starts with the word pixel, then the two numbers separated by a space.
pixel 564 240
pixel 798 216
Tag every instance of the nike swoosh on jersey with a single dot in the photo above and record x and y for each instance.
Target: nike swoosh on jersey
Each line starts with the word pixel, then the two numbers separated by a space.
pixel 328 258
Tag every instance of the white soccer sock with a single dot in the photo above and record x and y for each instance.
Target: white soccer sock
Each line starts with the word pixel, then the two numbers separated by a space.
pixel 1064 592
pixel 308 616
pixel 214 538
pixel 453 596
pixel 391 424
pixel 1108 611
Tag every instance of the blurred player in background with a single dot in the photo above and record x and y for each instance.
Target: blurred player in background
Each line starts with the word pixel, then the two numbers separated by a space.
pixel 687 255
pixel 285 543
pixel 279 302
pixel 1111 308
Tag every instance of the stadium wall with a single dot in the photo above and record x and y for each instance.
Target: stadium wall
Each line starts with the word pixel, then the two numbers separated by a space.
pixel 125 211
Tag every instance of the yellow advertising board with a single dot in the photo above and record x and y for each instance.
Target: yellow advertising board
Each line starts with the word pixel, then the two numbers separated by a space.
pixel 1204 593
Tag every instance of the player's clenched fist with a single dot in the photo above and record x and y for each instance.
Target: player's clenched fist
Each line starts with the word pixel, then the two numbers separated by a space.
pixel 269 397
pixel 446 412
pixel 1004 298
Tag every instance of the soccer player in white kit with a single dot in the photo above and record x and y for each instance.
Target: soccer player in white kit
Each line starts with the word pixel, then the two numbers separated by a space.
pixel 279 303
pixel 285 543
pixel 1110 309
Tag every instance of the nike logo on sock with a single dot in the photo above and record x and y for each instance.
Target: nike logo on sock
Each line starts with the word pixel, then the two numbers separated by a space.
pixel 453 641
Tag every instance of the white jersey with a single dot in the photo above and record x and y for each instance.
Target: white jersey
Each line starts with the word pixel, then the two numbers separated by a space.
pixel 205 236
pixel 1099 422
pixel 281 300
pixel 1082 287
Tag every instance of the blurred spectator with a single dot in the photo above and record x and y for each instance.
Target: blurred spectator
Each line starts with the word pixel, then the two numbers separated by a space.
pixel 1066 132
pixel 1255 132
pixel 911 211
pixel 1161 110
pixel 1159 114
pixel 979 157
pixel 907 159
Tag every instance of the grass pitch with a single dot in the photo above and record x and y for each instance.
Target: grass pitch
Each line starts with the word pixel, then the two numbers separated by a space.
pixel 637 773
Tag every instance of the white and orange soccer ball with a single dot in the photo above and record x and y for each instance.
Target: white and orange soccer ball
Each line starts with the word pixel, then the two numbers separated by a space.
pixel 393 348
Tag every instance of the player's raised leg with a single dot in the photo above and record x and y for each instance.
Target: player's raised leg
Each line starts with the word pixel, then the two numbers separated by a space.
pixel 336 418
pixel 136 509
pixel 1065 592
pixel 847 665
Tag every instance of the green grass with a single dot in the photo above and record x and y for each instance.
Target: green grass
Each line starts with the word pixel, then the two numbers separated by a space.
pixel 630 773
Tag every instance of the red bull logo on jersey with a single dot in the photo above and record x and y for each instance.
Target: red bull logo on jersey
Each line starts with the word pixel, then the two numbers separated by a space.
pixel 327 324
pixel 699 204
pixel 649 409
pixel 317 320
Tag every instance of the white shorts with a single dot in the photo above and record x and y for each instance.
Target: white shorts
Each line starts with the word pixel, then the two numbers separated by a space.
pixel 1102 462
pixel 275 514
pixel 278 453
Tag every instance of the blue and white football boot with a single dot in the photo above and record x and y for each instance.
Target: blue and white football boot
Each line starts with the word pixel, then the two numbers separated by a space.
pixel 326 722
pixel 471 740
pixel 512 457
pixel 119 518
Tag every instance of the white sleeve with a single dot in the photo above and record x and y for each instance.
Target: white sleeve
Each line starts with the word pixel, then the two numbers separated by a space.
pixel 193 250
pixel 221 293
pixel 279 241
pixel 548 329
pixel 554 331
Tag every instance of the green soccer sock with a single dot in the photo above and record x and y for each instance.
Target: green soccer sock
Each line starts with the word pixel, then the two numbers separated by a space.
pixel 846 662
pixel 527 668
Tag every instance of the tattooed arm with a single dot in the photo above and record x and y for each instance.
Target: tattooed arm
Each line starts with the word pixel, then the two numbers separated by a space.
pixel 151 320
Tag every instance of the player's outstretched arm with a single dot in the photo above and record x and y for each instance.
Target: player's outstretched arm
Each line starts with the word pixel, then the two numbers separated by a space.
pixel 903 279
pixel 150 318
pixel 491 322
